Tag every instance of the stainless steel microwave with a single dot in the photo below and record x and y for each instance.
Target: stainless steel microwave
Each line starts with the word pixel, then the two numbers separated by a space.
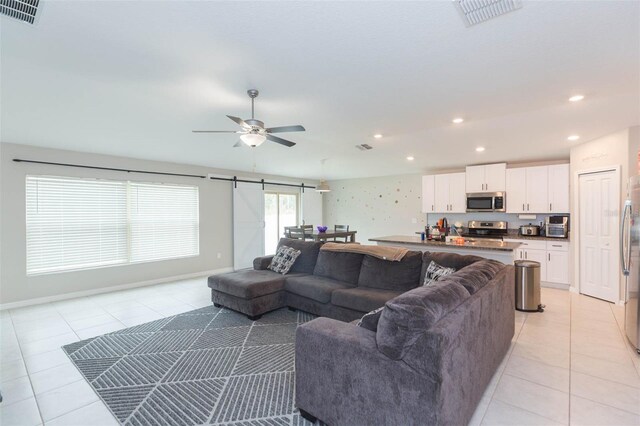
pixel 487 202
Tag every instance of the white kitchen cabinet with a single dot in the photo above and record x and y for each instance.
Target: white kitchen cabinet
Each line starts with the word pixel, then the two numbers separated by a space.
pixel 449 193
pixel 527 190
pixel 537 188
pixel 517 190
pixel 557 267
pixel 457 194
pixel 486 178
pixel 558 262
pixel 558 188
pixel 553 257
pixel 541 189
pixel 428 194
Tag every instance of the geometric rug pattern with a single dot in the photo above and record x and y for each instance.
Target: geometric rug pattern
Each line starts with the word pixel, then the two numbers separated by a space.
pixel 203 367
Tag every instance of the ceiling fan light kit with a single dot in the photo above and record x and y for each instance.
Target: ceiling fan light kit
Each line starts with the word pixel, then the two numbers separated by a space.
pixel 253 139
pixel 253 132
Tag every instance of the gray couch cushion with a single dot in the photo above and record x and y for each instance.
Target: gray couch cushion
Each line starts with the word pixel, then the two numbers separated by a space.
pixel 249 283
pixel 476 275
pixel 362 299
pixel 449 260
pixel 407 317
pixel 339 266
pixel 308 254
pixel 400 276
pixel 314 287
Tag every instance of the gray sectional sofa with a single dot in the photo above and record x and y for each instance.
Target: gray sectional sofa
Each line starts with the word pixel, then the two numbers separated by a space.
pixel 343 286
pixel 427 360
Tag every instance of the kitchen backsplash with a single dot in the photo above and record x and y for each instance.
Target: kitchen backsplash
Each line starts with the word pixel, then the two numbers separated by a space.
pixel 512 219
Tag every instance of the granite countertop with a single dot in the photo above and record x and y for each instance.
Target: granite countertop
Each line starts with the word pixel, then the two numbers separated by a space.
pixel 478 245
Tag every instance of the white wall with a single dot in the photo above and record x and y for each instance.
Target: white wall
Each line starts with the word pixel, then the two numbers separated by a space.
pixel 385 206
pixel 376 206
pixel 215 223
pixel 619 149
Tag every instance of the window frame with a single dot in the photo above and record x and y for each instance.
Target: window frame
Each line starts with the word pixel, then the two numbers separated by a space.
pixel 128 187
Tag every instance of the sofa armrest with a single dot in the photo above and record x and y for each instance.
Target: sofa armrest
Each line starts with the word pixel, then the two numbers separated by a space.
pixel 342 378
pixel 261 263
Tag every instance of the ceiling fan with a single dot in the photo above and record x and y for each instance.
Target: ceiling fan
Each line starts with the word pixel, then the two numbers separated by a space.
pixel 253 132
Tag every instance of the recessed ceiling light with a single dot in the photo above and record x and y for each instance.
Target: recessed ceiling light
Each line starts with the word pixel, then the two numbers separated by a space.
pixel 377 136
pixel 410 158
pixel 573 138
pixel 457 120
pixel 480 149
pixel 576 98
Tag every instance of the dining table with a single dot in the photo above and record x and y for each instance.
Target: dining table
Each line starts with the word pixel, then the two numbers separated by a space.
pixel 330 235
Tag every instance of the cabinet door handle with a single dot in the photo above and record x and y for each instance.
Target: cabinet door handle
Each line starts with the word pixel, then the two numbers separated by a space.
pixel 525 254
pixel 550 207
pixel 522 206
pixel 549 254
pixel 432 207
pixel 527 206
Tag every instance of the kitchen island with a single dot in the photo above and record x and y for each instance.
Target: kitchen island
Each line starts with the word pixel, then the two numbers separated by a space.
pixel 497 250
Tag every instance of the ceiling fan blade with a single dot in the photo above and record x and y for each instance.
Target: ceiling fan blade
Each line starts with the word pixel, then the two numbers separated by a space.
pixel 283 129
pixel 238 120
pixel 279 140
pixel 214 131
pixel 238 144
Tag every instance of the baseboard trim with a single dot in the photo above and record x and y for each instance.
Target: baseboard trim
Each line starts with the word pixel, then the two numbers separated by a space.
pixel 84 293
pixel 555 285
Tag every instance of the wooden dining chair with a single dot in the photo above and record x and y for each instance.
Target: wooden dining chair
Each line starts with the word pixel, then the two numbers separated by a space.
pixel 341 228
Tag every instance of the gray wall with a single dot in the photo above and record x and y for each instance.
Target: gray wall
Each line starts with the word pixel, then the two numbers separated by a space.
pixel 215 223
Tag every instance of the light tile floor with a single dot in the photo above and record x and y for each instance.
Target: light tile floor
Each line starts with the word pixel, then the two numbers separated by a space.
pixel 568 365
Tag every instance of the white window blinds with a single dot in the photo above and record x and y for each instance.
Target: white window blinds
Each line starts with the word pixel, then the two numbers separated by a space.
pixel 81 223
pixel 164 222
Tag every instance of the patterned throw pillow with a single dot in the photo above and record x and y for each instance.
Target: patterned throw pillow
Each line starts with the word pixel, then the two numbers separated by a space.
pixel 284 259
pixel 370 320
pixel 435 272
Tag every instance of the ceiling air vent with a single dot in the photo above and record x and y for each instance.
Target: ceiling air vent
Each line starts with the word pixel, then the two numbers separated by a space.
pixel 478 11
pixel 22 10
pixel 364 147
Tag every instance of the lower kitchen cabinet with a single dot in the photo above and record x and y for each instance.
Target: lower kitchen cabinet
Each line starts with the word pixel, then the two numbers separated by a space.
pixel 553 258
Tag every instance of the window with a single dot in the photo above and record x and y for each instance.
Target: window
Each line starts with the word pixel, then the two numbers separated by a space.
pixel 280 210
pixel 83 223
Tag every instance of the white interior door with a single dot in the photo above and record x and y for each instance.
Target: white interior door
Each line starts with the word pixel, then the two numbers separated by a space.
pixel 312 208
pixel 598 217
pixel 248 224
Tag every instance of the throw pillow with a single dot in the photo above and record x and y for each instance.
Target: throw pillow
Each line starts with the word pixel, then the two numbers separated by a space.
pixel 370 320
pixel 435 272
pixel 284 259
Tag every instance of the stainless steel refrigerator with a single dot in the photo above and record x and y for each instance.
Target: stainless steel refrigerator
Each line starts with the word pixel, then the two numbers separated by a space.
pixel 630 255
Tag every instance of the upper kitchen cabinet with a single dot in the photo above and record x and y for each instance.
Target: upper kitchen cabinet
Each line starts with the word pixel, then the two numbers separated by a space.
pixel 444 193
pixel 558 188
pixel 486 178
pixel 527 190
pixel 428 194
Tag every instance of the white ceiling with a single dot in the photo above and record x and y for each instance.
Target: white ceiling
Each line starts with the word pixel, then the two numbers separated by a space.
pixel 133 78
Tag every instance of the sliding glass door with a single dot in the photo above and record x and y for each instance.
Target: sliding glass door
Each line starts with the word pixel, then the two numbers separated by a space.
pixel 280 210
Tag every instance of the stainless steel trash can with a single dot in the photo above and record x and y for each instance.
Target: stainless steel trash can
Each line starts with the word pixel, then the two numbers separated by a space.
pixel 528 286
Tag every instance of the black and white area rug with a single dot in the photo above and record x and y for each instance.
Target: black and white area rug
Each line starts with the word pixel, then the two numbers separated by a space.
pixel 208 366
